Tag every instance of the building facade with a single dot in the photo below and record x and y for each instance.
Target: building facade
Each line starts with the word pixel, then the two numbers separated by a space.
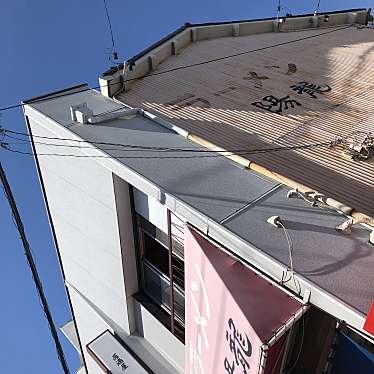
pixel 186 243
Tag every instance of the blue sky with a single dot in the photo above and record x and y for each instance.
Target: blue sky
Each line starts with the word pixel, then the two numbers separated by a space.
pixel 51 45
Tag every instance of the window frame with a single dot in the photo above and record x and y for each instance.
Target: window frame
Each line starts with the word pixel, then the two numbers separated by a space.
pixel 177 324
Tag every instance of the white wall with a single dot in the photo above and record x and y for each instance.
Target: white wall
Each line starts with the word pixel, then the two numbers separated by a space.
pixel 92 324
pixel 81 198
pixel 91 214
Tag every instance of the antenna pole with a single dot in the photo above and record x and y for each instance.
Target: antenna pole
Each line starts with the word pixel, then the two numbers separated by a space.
pixel 278 10
pixel 317 9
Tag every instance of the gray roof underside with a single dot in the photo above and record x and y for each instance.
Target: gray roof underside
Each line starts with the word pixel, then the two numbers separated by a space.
pixel 216 187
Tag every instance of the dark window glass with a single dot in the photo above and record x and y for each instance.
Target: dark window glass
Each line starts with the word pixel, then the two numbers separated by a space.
pixel 156 254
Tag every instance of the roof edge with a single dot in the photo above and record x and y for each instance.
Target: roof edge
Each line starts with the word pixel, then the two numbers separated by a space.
pixel 131 61
pixel 56 94
pixel 272 18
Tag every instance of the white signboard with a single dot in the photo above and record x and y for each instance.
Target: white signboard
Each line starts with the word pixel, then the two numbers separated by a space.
pixel 114 357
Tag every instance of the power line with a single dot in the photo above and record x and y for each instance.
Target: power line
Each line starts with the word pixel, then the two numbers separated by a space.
pixel 181 67
pixel 137 148
pixel 31 263
pixel 215 153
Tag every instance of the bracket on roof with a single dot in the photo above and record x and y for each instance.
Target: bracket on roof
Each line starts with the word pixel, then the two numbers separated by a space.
pixel 346 226
pixel 80 113
pixel 312 197
pixel 83 114
pixel 306 296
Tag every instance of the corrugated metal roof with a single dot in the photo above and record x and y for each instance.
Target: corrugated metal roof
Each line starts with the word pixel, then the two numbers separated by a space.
pixel 215 101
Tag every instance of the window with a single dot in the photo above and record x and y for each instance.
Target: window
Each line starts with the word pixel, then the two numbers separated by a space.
pixel 153 256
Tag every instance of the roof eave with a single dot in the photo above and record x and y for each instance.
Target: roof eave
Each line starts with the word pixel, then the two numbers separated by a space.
pixel 146 61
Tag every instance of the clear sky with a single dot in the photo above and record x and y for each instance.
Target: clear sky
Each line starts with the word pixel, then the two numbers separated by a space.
pixel 51 45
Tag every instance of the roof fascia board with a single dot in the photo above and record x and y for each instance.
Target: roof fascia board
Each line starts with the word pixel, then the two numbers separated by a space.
pixel 242 249
pixel 272 18
pixel 159 43
pixel 147 61
pixel 55 93
pixel 191 25
pixel 112 84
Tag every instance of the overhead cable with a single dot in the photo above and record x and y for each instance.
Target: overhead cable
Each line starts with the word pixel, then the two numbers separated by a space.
pixel 211 153
pixel 136 148
pixel 34 271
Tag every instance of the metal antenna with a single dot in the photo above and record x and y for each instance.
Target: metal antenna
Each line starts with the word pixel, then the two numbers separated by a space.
pixel 317 9
pixel 278 10
pixel 114 52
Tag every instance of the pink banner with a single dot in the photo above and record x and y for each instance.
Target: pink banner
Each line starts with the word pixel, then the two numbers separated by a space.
pixel 230 311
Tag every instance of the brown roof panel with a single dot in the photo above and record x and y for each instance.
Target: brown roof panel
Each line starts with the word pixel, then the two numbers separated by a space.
pixel 232 102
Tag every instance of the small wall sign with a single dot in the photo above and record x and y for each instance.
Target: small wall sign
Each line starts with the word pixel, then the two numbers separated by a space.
pixel 114 356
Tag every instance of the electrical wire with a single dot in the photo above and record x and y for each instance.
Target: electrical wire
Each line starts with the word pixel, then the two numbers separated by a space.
pixel 290 371
pixel 31 263
pixel 290 265
pixel 215 154
pixel 136 148
pixel 282 351
pixel 290 245
pixel 181 67
pixel 199 153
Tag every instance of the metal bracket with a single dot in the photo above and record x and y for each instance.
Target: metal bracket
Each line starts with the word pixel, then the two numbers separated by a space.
pixel 306 296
